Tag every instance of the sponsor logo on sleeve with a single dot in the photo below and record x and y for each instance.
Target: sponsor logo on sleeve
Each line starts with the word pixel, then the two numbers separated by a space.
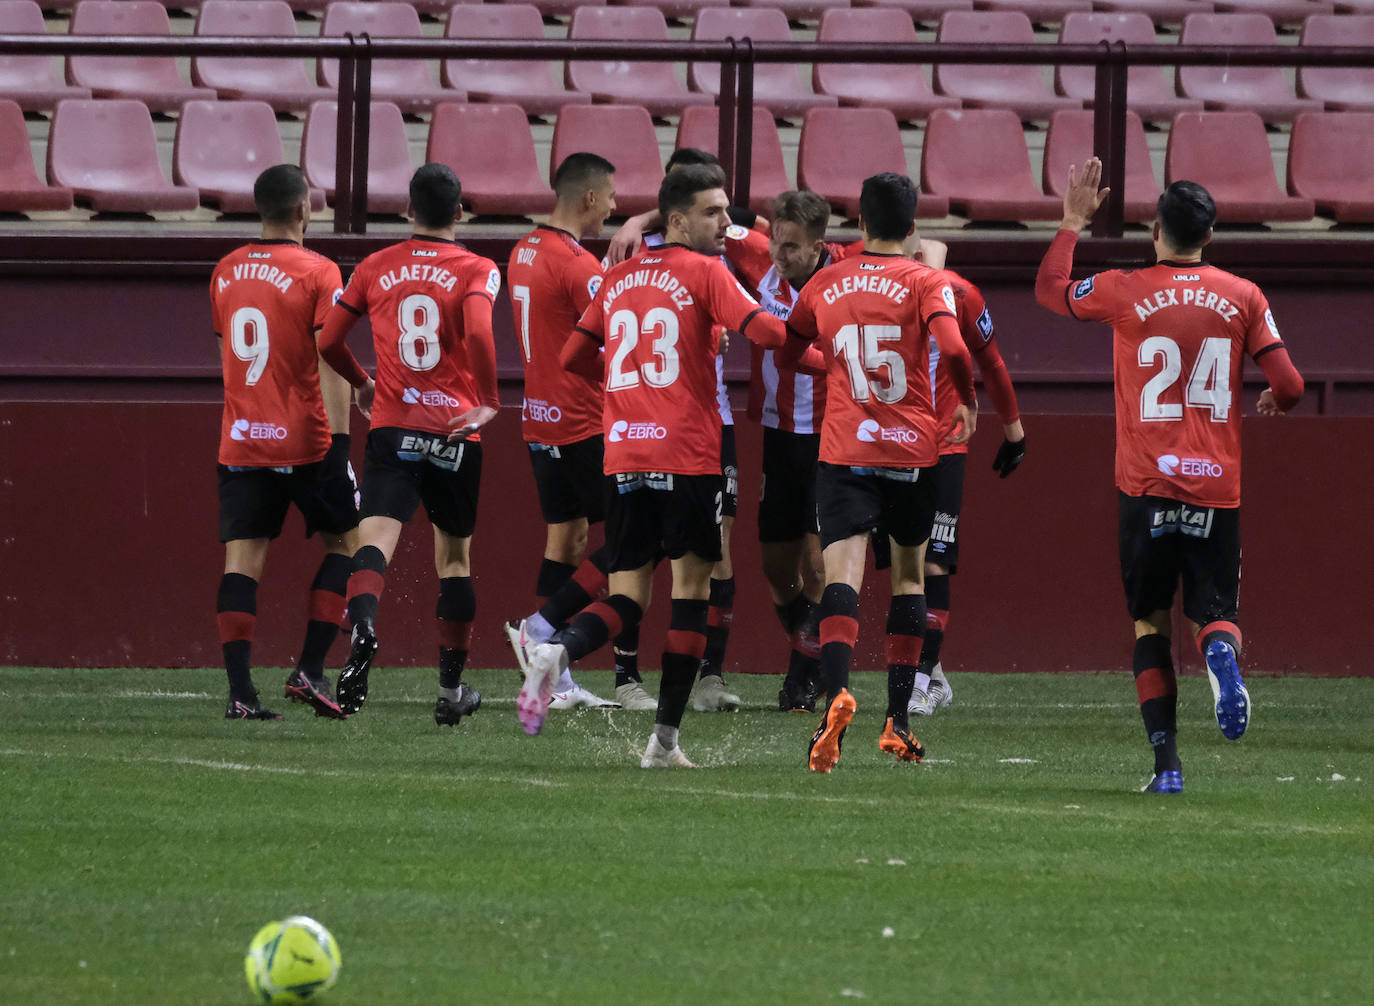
pixel 736 233
pixel 493 283
pixel 1273 325
pixel 593 285
pixel 948 294
pixel 985 324
pixel 338 292
pixel 1083 288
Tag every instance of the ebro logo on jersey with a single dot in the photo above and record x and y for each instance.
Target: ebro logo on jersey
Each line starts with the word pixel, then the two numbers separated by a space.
pixel 1172 464
pixel 245 430
pixel 414 396
pixel 622 430
pixel 540 411
pixel 870 433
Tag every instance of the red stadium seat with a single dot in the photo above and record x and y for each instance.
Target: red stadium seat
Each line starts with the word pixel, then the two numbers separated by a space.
pixel 1039 11
pixel 920 10
pixel 388 155
pixel 31 82
pixel 978 160
pixel 221 148
pixel 1261 89
pixel 624 135
pixel 828 166
pixel 407 83
pixel 106 152
pixel 1278 11
pixel 1340 88
pixel 1149 89
pixel 654 86
pixel 491 149
pixel 1019 88
pixel 564 8
pixel 21 191
pixel 153 80
pixel 1329 156
pixel 900 88
pixel 1228 154
pixel 529 84
pixel 1355 6
pixel 1158 11
pixel 281 83
pixel 777 86
pixel 797 10
pixel 700 128
pixel 1070 141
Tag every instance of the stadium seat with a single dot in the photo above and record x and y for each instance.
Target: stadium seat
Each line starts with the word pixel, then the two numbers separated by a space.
pixel 977 159
pixel 32 82
pixel 388 155
pixel 682 10
pixel 492 150
pixel 21 190
pixel 1019 88
pixel 827 163
pixel 1261 89
pixel 222 146
pixel 1149 89
pixel 407 83
pixel 565 8
pixel 777 86
pixel 530 84
pixel 920 10
pixel 1159 11
pixel 106 152
pixel 1277 11
pixel 1070 141
pixel 1329 155
pixel 1340 88
pixel 797 10
pixel 1039 11
pixel 654 86
pixel 700 128
pixel 624 135
pixel 901 88
pixel 1228 153
pixel 153 80
pixel 1355 6
pixel 281 83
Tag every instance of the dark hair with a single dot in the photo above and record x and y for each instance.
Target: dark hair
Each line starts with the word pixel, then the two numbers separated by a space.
pixel 807 209
pixel 680 187
pixel 435 195
pixel 278 191
pixel 1186 213
pixel 683 156
pixel 887 203
pixel 579 172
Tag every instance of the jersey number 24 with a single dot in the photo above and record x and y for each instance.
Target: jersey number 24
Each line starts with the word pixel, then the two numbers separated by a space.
pixel 1209 384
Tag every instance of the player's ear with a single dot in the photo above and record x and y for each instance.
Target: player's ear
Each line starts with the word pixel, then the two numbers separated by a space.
pixel 1206 240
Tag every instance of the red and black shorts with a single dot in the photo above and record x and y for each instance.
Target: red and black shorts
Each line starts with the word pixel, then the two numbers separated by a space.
pixel 858 499
pixel 404 468
pixel 253 501
pixel 654 514
pixel 571 480
pixel 787 500
pixel 1163 541
pixel 949 498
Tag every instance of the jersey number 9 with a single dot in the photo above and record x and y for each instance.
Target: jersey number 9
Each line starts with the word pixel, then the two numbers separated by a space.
pixel 248 339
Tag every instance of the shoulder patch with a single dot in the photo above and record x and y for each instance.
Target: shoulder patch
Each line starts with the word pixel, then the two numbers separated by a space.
pixel 1083 288
pixel 338 292
pixel 593 285
pixel 494 282
pixel 1273 325
pixel 947 292
pixel 736 233
pixel 985 324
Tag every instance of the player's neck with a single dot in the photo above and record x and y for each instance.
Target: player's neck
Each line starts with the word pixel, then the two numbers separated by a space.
pixel 282 232
pixel 878 246
pixel 573 223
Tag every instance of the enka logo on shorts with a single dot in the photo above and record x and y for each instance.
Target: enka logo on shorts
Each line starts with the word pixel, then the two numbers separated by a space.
pixel 870 433
pixel 622 430
pixel 245 430
pixel 540 411
pixel 414 396
pixel 1172 464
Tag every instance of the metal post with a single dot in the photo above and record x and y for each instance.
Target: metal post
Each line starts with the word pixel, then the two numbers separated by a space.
pixel 1102 128
pixel 362 128
pixel 725 148
pixel 1116 153
pixel 744 116
pixel 343 144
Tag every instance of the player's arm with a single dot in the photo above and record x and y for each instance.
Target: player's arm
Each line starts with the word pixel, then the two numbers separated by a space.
pixel 1285 383
pixel 338 396
pixel 480 344
pixel 1081 200
pixel 581 354
pixel 976 326
pixel 944 329
pixel 626 241
pixel 333 349
pixel 730 305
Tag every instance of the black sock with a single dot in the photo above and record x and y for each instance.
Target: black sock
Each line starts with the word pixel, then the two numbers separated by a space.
pixel 720 614
pixel 681 657
pixel 627 656
pixel 237 614
pixel 552 576
pixel 454 612
pixel 839 632
pixel 937 618
pixel 365 585
pixel 1156 688
pixel 586 584
pixel 327 609
pixel 597 623
pixel 906 621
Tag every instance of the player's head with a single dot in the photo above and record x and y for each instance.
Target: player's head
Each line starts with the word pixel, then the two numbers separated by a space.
pixel 436 196
pixel 683 156
pixel 694 207
pixel 1184 217
pixel 797 235
pixel 282 195
pixel 585 185
pixel 887 207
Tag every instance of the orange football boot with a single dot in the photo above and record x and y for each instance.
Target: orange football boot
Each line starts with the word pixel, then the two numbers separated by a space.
pixel 900 742
pixel 824 753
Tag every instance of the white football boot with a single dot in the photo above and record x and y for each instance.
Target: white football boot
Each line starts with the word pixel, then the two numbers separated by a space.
pixel 632 695
pixel 657 756
pixel 711 696
pixel 578 697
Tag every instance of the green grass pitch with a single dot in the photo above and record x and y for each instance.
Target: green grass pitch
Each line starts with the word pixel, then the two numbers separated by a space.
pixel 144 840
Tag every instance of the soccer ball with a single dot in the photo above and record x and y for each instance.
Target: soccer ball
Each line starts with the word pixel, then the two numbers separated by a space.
pixel 295 960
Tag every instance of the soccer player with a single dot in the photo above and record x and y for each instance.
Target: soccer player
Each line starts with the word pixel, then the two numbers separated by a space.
pixel 875 315
pixel 656 316
pixel 284 437
pixel 429 300
pixel 552 279
pixel 1180 332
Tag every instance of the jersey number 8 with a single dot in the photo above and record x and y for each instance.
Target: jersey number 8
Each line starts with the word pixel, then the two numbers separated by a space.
pixel 418 320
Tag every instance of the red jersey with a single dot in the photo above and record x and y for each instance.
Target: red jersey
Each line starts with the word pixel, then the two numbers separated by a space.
pixel 414 294
pixel 975 325
pixel 872 314
pixel 267 300
pixel 1180 333
pixel 656 315
pixel 552 279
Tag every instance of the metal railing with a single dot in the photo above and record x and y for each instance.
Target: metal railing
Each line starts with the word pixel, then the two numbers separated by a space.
pixel 737 59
